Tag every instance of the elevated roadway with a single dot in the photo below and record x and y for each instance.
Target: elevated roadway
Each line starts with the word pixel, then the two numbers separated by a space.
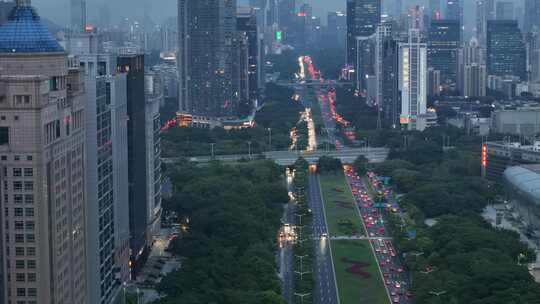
pixel 287 158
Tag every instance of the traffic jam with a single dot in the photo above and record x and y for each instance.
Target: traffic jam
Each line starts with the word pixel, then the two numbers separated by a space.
pixel 394 276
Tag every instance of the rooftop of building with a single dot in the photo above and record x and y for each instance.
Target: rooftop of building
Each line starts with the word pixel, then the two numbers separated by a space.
pixel 535 147
pixel 526 178
pixel 25 33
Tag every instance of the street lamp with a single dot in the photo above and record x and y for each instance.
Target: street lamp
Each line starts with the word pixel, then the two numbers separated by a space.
pixel 270 139
pixel 429 270
pixel 302 295
pixel 437 293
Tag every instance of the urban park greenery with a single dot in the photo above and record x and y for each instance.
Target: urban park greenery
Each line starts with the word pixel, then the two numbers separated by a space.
pixel 459 257
pixel 228 249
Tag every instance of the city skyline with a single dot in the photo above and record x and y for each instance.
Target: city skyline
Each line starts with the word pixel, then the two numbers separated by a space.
pixel 266 151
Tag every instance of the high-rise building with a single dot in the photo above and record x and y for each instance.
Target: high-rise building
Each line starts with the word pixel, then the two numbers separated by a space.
pixel 506 52
pixel 5 10
pixel 475 80
pixel 77 15
pixel 469 54
pixel 485 10
pixel 504 10
pixel 206 30
pixel 105 16
pixel 454 11
pixel 416 17
pixel 386 72
pixel 304 27
pixel 434 82
pixel 105 169
pixel 336 36
pixel 413 82
pixel 535 65
pixel 443 45
pixel 531 20
pixel 154 99
pixel 364 65
pixel 435 9
pixel 286 17
pixel 363 17
pixel 398 8
pixel 42 154
pixel 247 29
pixel 142 217
pixel 272 13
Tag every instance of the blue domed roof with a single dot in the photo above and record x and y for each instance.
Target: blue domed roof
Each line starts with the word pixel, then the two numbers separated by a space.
pixel 25 33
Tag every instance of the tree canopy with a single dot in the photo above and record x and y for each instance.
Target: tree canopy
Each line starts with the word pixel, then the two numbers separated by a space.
pixel 228 249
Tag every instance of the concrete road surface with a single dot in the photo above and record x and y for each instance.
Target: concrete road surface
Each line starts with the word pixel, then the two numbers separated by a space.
pixel 325 291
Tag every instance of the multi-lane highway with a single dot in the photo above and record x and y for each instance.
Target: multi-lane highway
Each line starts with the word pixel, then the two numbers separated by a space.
pixel 390 265
pixel 325 290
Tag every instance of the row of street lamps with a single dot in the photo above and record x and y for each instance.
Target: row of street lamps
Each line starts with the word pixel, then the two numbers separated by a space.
pixel 212 145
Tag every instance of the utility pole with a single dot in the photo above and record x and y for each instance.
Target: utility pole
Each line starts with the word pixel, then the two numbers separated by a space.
pixel 249 149
pixel 212 152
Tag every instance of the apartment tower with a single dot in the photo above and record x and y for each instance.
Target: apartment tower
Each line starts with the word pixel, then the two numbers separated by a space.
pixel 42 165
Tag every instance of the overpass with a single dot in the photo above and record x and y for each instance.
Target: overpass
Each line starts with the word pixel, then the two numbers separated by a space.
pixel 314 83
pixel 287 158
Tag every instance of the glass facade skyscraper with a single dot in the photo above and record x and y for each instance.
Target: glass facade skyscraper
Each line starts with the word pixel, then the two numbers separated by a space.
pixel 363 17
pixel 444 42
pixel 506 52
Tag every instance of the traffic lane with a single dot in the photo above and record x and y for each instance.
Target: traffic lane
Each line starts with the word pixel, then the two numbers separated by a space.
pixel 386 256
pixel 325 293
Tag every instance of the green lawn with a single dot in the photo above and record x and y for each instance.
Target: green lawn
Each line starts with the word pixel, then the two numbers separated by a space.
pixel 341 214
pixel 364 284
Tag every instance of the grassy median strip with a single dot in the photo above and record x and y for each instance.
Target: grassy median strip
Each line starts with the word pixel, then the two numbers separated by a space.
pixel 341 214
pixel 357 274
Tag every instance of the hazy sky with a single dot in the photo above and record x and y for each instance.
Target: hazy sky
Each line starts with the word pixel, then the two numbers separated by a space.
pixel 58 10
pixel 159 10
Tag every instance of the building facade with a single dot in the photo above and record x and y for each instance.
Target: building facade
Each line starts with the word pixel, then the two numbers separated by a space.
pixel 504 10
pixel 154 98
pixel 502 155
pixel 506 52
pixel 363 17
pixel 531 20
pixel 78 15
pixel 454 11
pixel 247 29
pixel 520 121
pixel 336 36
pixel 42 160
pixel 413 82
pixel 474 80
pixel 485 10
pixel 5 10
pixel 434 82
pixel 287 20
pixel 386 72
pixel 522 188
pixel 206 32
pixel 444 42
pixel 106 150
pixel 132 65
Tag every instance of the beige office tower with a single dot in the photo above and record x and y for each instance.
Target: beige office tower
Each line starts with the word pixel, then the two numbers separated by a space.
pixel 41 166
